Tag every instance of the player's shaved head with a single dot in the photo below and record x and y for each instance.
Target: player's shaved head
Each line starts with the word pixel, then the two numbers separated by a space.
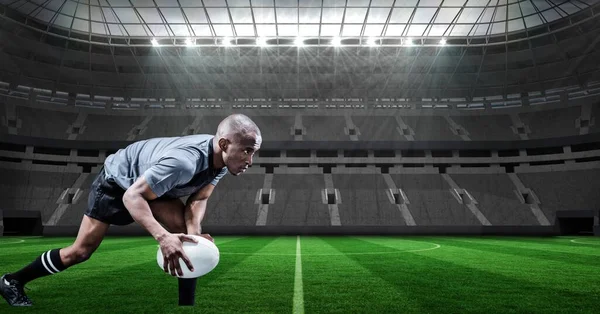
pixel 236 141
pixel 237 127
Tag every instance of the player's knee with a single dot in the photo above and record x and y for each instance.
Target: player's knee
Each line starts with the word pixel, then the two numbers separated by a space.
pixel 81 254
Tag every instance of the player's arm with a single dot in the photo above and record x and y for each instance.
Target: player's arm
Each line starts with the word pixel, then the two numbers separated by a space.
pixel 136 200
pixel 172 169
pixel 195 209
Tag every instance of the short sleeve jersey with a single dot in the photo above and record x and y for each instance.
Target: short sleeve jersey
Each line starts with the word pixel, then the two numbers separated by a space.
pixel 173 166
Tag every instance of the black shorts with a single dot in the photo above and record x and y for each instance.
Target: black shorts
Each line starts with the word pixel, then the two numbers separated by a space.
pixel 105 202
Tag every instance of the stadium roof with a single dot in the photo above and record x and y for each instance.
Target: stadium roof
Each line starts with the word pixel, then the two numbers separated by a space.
pixel 253 22
pixel 558 54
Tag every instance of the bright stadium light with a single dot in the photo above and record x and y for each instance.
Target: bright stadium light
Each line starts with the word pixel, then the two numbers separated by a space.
pixel 372 41
pixel 336 42
pixel 443 41
pixel 190 42
pixel 408 42
pixel 299 41
pixel 154 42
pixel 226 42
pixel 261 41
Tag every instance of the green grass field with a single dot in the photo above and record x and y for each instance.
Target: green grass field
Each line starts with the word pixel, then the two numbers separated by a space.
pixel 337 275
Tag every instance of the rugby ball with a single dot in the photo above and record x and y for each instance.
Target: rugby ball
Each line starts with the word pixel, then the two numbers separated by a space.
pixel 204 256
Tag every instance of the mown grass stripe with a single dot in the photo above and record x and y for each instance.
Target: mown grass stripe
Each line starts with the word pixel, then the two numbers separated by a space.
pixel 449 282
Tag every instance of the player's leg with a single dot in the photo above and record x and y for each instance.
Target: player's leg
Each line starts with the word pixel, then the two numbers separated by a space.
pixel 90 236
pixel 171 214
pixel 102 210
pixel 91 233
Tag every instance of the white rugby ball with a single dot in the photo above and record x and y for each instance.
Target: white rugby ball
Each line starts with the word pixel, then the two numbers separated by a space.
pixel 203 255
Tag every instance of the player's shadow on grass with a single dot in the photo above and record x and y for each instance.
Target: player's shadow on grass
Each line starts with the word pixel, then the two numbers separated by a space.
pixel 440 285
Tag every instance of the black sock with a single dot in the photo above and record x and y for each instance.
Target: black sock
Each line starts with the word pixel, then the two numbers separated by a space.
pixel 46 264
pixel 187 291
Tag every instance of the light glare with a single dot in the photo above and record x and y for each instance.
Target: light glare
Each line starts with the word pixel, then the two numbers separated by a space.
pixel 372 41
pixel 336 41
pixel 261 41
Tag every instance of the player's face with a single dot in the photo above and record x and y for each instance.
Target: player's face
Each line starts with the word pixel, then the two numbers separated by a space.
pixel 239 154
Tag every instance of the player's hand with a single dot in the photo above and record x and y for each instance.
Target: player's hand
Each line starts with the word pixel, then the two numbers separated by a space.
pixel 171 246
pixel 208 237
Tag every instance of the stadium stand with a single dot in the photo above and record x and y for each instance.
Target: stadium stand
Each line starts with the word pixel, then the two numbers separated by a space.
pixel 431 202
pixel 329 128
pixel 298 201
pixel 101 127
pixel 539 124
pixel 496 198
pixel 283 125
pixel 33 190
pixel 44 123
pixel 167 126
pixel 208 124
pixel 564 190
pixel 430 128
pixel 364 200
pixel 596 117
pixel 233 204
pixel 377 128
pixel 487 127
pixel 552 123
pixel 72 216
pixel 4 123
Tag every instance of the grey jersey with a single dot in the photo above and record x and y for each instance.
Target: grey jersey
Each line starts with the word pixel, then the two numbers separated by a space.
pixel 172 166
